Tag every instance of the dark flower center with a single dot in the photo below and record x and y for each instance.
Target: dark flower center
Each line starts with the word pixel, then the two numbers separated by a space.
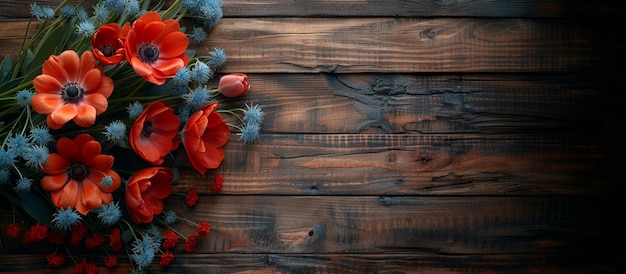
pixel 107 50
pixel 77 171
pixel 147 129
pixel 148 53
pixel 72 92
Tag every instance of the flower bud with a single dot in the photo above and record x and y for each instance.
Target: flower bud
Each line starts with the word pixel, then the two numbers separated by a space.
pixel 233 85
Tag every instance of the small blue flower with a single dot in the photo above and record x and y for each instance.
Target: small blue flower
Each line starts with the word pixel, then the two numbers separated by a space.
pixel 253 115
pixel 182 77
pixel 41 14
pixel 23 97
pixel 134 109
pixel 116 132
pixel 67 11
pixel 36 156
pixel 144 250
pixel 85 28
pixel 210 12
pixel 201 72
pixel 65 218
pixel 18 144
pixel 82 14
pixel 184 112
pixel 7 158
pixel 132 7
pixel 110 213
pixel 197 98
pixel 117 6
pixel 250 133
pixel 170 217
pixel 218 58
pixel 106 181
pixel 102 13
pixel 23 184
pixel 198 34
pixel 40 135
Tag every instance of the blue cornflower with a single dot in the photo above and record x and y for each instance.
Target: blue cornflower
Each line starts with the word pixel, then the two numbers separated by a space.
pixel 7 158
pixel 184 112
pixel 170 217
pixel 36 156
pixel 197 98
pixel 18 144
pixel 23 184
pixel 116 132
pixel 198 34
pixel 134 109
pixel 182 77
pixel 102 13
pixel 250 133
pixel 85 28
pixel 40 135
pixel 4 176
pixel 110 213
pixel 253 114
pixel 201 72
pixel 23 97
pixel 218 58
pixel 82 14
pixel 67 11
pixel 179 89
pixel 65 218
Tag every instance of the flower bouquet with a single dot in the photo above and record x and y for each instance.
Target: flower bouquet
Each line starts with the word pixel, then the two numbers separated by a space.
pixel 101 109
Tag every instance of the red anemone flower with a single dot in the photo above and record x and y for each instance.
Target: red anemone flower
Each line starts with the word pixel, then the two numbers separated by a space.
pixel 155 133
pixel 71 88
pixel 204 137
pixel 107 43
pixel 156 48
pixel 74 174
pixel 145 192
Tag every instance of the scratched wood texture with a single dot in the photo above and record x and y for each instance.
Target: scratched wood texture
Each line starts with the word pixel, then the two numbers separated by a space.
pixel 410 137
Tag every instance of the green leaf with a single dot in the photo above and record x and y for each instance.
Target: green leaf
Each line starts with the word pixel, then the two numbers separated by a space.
pixel 36 207
pixel 5 68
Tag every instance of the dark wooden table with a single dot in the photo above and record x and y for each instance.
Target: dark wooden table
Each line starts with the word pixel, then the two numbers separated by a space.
pixel 411 137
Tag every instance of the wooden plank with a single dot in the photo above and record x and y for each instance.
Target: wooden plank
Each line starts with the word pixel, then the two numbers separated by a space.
pixel 381 224
pixel 426 104
pixel 395 8
pixel 339 263
pixel 411 45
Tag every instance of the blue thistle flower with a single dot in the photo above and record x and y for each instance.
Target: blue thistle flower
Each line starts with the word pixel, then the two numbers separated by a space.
pixel 106 181
pixel 117 6
pixel 253 114
pixel 184 112
pixel 179 89
pixel 102 13
pixel 197 98
pixel 182 77
pixel 115 132
pixel 144 250
pixel 40 135
pixel 134 109
pixel 67 11
pixel 7 158
pixel 218 58
pixel 132 7
pixel 85 28
pixel 65 218
pixel 170 217
pixel 23 184
pixel 36 156
pixel 18 144
pixel 41 14
pixel 201 72
pixel 250 133
pixel 211 12
pixel 198 34
pixel 82 14
pixel 110 213
pixel 23 97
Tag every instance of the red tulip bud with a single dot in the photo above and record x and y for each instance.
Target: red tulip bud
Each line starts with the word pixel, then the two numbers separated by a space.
pixel 233 85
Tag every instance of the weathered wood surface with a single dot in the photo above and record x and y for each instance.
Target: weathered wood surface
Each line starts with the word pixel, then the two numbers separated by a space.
pixel 410 136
